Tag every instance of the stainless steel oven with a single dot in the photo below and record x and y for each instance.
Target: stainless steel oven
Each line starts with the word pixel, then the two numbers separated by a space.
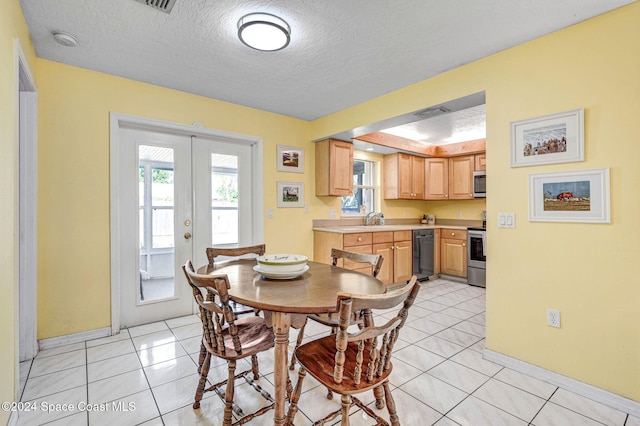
pixel 477 257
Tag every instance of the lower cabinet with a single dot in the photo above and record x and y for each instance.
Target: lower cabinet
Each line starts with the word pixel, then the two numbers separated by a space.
pixel 394 246
pixel 453 252
pixel 396 249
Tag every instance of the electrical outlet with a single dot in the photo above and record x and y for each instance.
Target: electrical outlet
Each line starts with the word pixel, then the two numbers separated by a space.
pixel 553 318
pixel 270 213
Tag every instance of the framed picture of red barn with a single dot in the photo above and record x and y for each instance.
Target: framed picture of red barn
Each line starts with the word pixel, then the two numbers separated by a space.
pixel 572 196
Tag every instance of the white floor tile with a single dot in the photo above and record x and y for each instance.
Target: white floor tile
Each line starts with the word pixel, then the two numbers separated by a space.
pixel 459 376
pixel 58 362
pixel 474 412
pixel 458 337
pixel 40 386
pixel 474 360
pixel 178 394
pixel 434 392
pixel 180 321
pixel 60 350
pixel 150 340
pixel 424 325
pixel 110 350
pixel 147 328
pixel 588 407
pixel 418 357
pixel 116 387
pixel 162 353
pixel 210 413
pixel 512 400
pixel 113 366
pixel 54 407
pixel 77 419
pixel 632 421
pixel 527 383
pixel 553 415
pixel 131 410
pixel 187 331
pixel 440 346
pixel 168 371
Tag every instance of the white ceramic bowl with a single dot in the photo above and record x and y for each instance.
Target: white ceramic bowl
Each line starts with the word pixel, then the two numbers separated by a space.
pixel 281 263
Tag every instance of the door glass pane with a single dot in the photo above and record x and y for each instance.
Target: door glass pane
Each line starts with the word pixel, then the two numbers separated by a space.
pixel 224 199
pixel 157 229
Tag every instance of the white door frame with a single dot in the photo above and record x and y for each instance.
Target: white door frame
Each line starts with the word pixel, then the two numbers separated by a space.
pixel 26 152
pixel 123 120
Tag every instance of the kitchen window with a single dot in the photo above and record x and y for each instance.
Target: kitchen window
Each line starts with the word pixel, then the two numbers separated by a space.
pixel 364 186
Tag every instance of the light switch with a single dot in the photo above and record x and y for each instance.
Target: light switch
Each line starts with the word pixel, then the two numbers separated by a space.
pixel 506 220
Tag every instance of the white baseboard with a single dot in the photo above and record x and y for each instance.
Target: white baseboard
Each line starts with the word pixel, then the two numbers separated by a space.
pixel 588 391
pixel 70 339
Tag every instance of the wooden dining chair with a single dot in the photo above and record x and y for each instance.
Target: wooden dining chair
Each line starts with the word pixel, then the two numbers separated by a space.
pixel 226 337
pixel 231 253
pixel 352 363
pixel 331 320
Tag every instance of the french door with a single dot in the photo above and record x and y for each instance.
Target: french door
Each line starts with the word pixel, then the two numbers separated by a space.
pixel 177 195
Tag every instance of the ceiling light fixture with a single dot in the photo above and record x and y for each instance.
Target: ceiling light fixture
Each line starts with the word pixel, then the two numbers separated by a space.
pixel 65 39
pixel 263 31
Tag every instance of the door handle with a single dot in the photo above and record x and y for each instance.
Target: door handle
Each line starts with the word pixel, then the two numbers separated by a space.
pixel 187 235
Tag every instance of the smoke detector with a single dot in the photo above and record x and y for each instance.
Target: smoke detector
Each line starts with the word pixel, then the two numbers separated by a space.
pixel 65 39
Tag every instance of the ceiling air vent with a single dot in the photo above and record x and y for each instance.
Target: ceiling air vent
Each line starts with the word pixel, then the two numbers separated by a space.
pixel 162 5
pixel 430 112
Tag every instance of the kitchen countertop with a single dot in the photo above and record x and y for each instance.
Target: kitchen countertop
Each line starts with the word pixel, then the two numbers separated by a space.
pixel 381 228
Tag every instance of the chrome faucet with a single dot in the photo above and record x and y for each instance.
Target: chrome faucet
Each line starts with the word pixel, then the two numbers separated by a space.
pixel 371 218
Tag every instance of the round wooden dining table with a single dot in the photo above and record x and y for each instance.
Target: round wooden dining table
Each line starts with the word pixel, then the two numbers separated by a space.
pixel 286 303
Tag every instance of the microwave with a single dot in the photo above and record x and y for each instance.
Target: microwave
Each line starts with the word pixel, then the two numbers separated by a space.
pixel 480 184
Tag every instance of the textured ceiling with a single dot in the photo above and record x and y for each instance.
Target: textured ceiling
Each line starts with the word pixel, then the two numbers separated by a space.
pixel 342 52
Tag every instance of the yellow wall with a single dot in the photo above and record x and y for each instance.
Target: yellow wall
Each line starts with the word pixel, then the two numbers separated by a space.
pixel 74 287
pixel 587 271
pixel 12 25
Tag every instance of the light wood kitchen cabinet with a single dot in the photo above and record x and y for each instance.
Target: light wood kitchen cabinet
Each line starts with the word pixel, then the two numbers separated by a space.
pixel 461 177
pixel 397 250
pixel 453 252
pixel 334 168
pixel 436 179
pixel 394 246
pixel 403 177
pixel 481 161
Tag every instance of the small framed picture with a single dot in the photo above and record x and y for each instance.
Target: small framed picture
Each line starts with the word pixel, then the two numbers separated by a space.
pixel 290 194
pixel 575 196
pixel 550 139
pixel 290 159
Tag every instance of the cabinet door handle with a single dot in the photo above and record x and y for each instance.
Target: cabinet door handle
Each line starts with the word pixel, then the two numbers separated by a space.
pixel 359 239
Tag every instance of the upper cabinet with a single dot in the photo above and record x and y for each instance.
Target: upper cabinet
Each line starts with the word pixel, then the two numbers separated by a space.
pixel 461 177
pixel 404 177
pixel 436 182
pixel 481 161
pixel 334 168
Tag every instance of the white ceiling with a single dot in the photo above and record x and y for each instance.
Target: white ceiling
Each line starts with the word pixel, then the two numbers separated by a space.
pixel 341 53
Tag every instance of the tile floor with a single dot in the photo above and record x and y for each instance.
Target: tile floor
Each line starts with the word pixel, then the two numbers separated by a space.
pixel 439 377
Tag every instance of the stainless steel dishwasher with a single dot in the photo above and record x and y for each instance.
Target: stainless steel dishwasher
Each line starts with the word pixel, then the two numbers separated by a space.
pixel 423 253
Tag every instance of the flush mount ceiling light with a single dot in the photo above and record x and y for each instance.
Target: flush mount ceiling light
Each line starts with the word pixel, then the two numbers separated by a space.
pixel 65 39
pixel 263 31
